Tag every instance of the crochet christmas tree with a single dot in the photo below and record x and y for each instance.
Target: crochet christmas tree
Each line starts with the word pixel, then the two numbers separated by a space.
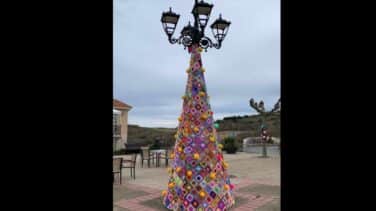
pixel 198 177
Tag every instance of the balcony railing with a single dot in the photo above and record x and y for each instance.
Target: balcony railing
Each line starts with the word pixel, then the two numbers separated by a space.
pixel 116 130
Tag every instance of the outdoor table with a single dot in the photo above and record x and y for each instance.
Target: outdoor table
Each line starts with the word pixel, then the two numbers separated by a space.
pixel 158 153
pixel 126 158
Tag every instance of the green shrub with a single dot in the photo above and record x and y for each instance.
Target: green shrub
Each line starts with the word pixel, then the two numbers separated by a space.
pixel 270 140
pixel 155 145
pixel 230 145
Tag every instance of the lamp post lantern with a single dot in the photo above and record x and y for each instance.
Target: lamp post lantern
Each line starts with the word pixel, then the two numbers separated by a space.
pixel 198 173
pixel 191 35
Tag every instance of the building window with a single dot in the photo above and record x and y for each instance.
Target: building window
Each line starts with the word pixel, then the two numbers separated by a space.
pixel 116 127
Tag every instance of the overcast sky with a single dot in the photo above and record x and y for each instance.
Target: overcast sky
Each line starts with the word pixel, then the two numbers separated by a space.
pixel 149 73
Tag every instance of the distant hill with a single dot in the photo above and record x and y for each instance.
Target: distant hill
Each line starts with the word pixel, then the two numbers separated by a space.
pixel 250 124
pixel 147 135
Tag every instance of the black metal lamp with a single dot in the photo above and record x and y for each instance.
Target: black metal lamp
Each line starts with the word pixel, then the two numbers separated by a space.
pixel 201 11
pixel 220 28
pixel 169 21
pixel 187 34
pixel 187 30
pixel 195 35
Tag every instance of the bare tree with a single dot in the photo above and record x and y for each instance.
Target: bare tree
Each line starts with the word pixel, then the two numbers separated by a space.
pixel 260 108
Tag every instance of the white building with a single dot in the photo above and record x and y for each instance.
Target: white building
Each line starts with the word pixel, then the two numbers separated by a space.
pixel 120 124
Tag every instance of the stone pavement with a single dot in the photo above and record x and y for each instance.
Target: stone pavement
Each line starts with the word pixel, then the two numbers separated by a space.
pixel 256 180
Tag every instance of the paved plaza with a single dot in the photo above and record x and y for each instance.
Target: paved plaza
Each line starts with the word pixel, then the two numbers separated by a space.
pixel 256 180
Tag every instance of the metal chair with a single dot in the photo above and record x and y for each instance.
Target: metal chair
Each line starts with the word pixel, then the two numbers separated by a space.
pixel 116 167
pixel 145 155
pixel 131 164
pixel 166 155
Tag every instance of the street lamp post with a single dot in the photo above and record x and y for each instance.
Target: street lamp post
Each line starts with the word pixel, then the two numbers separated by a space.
pixel 196 147
pixel 259 107
pixel 191 35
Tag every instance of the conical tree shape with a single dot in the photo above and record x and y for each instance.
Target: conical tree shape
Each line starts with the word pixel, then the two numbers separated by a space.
pixel 198 178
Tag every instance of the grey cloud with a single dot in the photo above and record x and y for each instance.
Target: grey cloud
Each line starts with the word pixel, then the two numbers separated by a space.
pixel 149 73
